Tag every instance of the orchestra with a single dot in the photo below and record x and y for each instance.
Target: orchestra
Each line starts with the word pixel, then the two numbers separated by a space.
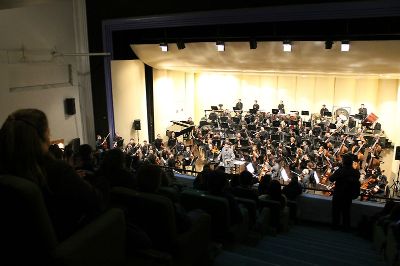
pixel 273 143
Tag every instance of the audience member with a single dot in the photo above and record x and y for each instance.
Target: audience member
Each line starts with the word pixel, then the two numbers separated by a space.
pixel 24 142
pixel 293 189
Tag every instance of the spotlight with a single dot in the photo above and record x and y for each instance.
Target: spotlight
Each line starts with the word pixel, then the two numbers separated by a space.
pixel 287 46
pixel 220 46
pixel 328 44
pixel 180 45
pixel 253 44
pixel 164 47
pixel 345 47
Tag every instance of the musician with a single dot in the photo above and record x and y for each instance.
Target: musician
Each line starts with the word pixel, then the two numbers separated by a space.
pixel 145 148
pixel 256 107
pixel 347 187
pixel 172 141
pixel 362 111
pixel 158 142
pixel 131 147
pixel 239 105
pixel 281 107
pixel 226 156
pixel 323 110
pixel 187 157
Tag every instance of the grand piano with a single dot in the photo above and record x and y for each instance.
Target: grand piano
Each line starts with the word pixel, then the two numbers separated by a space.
pixel 182 129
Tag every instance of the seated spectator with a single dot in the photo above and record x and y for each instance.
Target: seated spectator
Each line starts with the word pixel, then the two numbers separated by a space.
pixel 24 143
pixel 264 186
pixel 113 169
pixel 56 152
pixel 83 159
pixel 217 186
pixel 245 190
pixel 201 180
pixel 275 193
pixel 293 189
pixel 149 180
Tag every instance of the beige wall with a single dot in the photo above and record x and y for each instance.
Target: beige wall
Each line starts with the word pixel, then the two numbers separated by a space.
pixel 129 97
pixel 35 79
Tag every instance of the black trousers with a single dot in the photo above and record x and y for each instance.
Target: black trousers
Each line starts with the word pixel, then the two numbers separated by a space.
pixel 341 212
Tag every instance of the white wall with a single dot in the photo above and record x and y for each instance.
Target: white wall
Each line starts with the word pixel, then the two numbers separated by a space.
pixel 39 80
pixel 129 98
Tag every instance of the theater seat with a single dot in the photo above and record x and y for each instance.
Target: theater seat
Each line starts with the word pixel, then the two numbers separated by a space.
pixel 218 209
pixel 279 218
pixel 155 214
pixel 27 236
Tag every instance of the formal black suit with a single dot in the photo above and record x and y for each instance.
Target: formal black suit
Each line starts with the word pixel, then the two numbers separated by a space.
pixel 346 180
pixel 239 105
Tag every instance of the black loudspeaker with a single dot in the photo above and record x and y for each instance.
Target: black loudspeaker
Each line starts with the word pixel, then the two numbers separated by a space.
pixel 136 124
pixel 69 106
pixel 397 154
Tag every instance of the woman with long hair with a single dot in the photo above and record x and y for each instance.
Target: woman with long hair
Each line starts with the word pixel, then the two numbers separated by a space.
pixel 24 144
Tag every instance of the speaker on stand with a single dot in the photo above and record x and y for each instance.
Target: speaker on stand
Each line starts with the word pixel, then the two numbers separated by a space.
pixel 137 127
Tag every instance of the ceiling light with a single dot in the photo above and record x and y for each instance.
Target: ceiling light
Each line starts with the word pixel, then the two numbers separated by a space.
pixel 253 44
pixel 345 47
pixel 180 45
pixel 164 47
pixel 328 44
pixel 220 46
pixel 287 46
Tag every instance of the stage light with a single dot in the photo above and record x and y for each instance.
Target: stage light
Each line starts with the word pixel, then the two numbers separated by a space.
pixel 287 46
pixel 253 44
pixel 180 45
pixel 328 44
pixel 164 47
pixel 220 46
pixel 345 47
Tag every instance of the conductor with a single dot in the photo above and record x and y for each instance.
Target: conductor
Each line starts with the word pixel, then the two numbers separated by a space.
pixel 227 157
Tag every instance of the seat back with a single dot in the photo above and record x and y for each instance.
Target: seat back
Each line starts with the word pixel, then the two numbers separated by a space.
pixel 155 214
pixel 26 232
pixel 216 207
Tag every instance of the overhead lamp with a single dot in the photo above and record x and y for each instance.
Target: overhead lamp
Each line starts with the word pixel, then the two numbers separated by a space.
pixel 287 46
pixel 180 45
pixel 164 47
pixel 328 44
pixel 345 47
pixel 220 46
pixel 253 44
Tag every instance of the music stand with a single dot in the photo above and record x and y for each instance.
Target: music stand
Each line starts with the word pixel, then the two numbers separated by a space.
pixel 293 122
pixel 275 111
pixel 213 107
pixel 247 119
pixel 276 123
pixel 328 114
pixel 275 137
pixel 332 126
pixel 307 124
pixel 305 113
pixel 244 142
pixel 236 120
pixel 224 125
pixel 253 111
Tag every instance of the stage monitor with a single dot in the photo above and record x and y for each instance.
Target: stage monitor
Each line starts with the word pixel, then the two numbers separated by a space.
pixel 275 111
pixel 275 137
pixel 224 118
pixel 276 123
pixel 305 113
pixel 306 124
pixel 251 127
pixel 329 114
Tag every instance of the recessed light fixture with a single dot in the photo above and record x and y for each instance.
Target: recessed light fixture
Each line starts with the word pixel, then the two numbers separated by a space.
pixel 345 47
pixel 220 46
pixel 287 46
pixel 164 47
